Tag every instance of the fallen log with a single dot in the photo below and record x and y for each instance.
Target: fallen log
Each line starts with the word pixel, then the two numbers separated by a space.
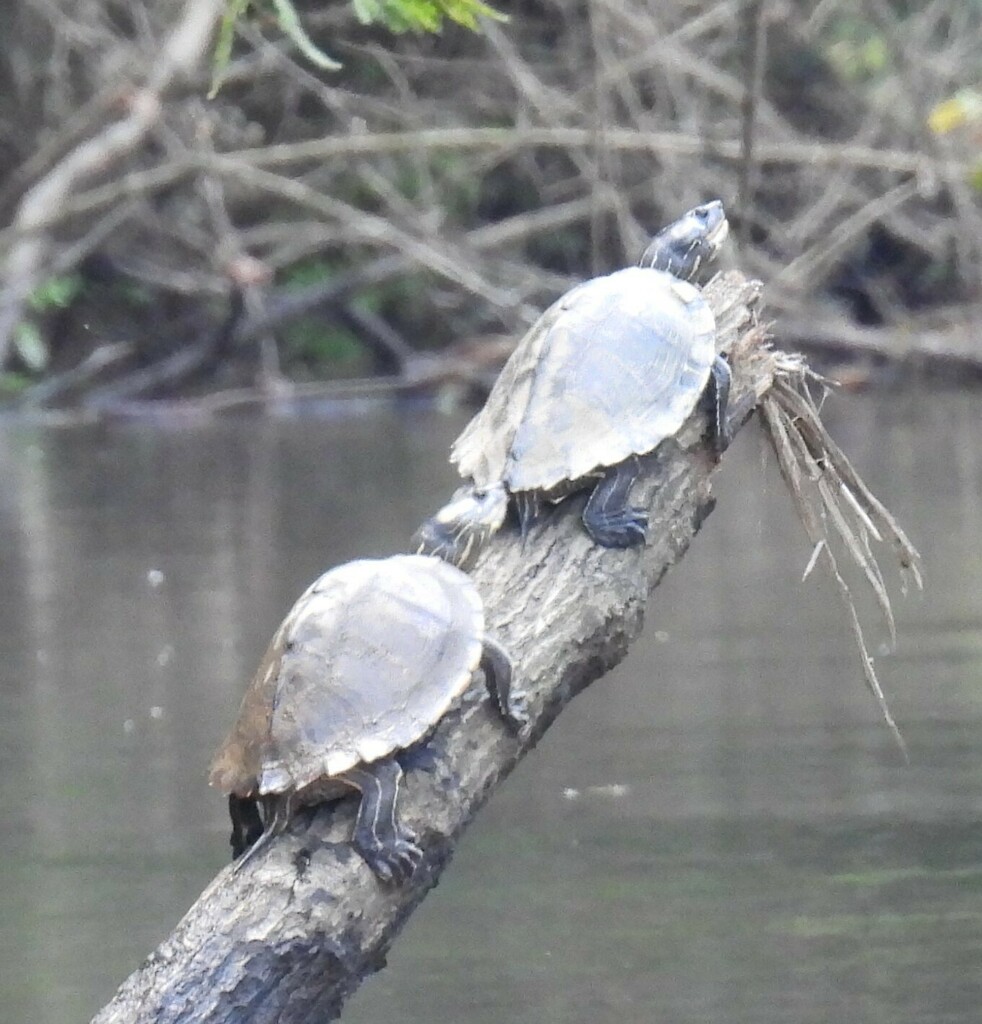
pixel 289 937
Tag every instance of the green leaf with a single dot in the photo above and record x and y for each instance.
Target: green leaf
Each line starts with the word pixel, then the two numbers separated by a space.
pixel 56 293
pixel 289 22
pixel 31 346
pixel 424 15
pixel 367 11
pixel 395 15
pixel 234 10
pixel 466 12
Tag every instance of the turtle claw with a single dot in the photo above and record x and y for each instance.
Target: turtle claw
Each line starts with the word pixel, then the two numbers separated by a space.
pixel 516 712
pixel 406 835
pixel 392 863
pixel 409 856
pixel 625 528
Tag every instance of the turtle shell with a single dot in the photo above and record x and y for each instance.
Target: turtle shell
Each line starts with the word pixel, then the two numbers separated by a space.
pixel 610 370
pixel 366 663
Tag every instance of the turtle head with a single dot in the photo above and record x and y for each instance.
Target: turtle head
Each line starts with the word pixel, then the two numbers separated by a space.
pixel 686 244
pixel 460 529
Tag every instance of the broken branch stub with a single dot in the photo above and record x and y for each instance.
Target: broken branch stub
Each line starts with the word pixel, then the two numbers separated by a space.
pixel 289 937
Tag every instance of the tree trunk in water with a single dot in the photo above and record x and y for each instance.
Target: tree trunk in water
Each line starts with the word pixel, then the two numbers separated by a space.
pixel 290 936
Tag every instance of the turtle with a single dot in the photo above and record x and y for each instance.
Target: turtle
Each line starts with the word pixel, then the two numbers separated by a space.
pixel 613 368
pixel 364 666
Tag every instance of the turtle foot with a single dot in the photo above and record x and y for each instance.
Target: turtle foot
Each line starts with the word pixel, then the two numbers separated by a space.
pixel 392 862
pixel 387 846
pixel 516 714
pixel 510 704
pixel 608 518
pixel 626 528
pixel 516 711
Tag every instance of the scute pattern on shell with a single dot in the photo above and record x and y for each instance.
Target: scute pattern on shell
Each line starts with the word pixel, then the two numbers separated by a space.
pixel 610 370
pixel 366 662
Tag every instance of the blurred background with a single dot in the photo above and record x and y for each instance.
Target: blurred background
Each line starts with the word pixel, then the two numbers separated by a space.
pixel 237 337
pixel 408 213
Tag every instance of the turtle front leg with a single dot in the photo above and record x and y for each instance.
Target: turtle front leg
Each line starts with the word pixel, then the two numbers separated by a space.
pixel 608 518
pixel 387 846
pixel 497 667
pixel 720 433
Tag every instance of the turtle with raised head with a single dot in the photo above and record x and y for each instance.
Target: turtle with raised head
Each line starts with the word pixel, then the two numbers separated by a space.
pixel 607 373
pixel 364 665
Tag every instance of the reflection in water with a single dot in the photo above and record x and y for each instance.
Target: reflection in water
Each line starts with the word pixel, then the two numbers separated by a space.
pixel 721 830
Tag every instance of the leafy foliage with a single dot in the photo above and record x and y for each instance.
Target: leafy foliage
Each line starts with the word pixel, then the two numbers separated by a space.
pixel 423 15
pixel 57 292
pixel 29 342
pixel 396 15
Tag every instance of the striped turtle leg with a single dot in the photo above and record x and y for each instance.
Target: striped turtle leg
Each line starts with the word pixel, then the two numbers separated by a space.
pixel 718 392
pixel 496 665
pixel 387 846
pixel 608 518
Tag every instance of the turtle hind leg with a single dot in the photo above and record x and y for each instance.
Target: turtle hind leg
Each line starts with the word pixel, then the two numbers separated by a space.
pixel 510 703
pixel 277 810
pixel 718 396
pixel 386 845
pixel 608 518
pixel 247 825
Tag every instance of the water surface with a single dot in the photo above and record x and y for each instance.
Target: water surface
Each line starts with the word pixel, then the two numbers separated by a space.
pixel 720 831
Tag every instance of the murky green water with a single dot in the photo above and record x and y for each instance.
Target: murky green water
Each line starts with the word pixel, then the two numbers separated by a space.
pixel 720 831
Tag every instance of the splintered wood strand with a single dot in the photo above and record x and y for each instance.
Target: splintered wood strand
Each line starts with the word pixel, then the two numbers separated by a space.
pixel 859 510
pixel 823 474
pixel 857 544
pixel 800 406
pixel 792 453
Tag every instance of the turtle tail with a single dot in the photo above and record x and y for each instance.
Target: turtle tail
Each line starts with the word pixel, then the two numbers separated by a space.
pixel 459 530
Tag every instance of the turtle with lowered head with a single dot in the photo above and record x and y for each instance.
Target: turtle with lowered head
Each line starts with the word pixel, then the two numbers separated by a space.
pixel 608 372
pixel 364 666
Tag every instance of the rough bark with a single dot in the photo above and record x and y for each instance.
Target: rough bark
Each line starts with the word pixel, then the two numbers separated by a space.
pixel 291 935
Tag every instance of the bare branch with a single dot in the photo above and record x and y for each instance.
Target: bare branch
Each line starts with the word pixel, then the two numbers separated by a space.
pixel 179 55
